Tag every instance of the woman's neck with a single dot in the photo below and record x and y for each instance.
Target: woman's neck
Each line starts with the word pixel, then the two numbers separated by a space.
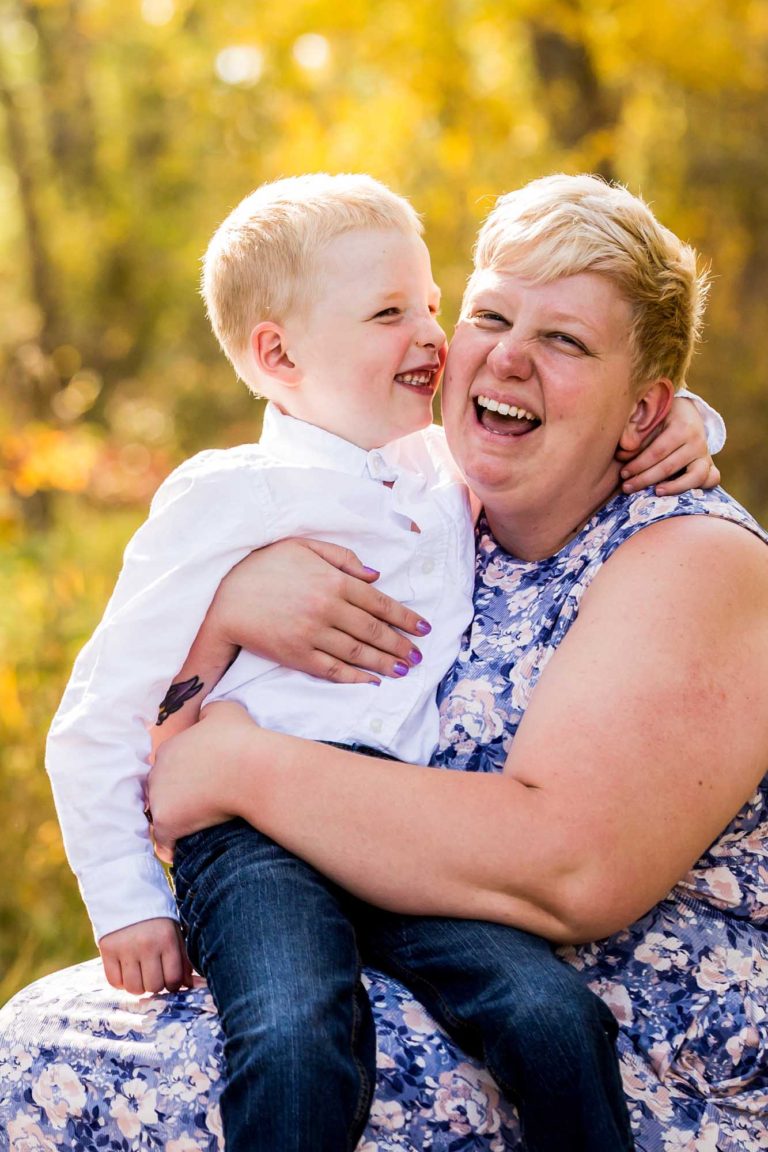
pixel 535 534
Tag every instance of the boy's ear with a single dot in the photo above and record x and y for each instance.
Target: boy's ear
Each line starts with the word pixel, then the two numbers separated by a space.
pixel 650 410
pixel 270 353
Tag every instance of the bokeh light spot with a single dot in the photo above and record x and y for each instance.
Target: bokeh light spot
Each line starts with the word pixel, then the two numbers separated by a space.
pixel 311 51
pixel 158 12
pixel 241 64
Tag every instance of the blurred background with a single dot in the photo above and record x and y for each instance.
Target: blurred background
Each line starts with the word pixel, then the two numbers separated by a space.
pixel 129 128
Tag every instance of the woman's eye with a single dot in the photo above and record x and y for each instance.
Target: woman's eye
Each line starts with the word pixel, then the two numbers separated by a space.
pixel 568 341
pixel 489 317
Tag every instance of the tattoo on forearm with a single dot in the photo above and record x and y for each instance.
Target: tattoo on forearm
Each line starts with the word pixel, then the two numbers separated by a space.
pixel 177 696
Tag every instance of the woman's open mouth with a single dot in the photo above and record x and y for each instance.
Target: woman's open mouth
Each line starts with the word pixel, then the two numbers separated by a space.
pixel 504 419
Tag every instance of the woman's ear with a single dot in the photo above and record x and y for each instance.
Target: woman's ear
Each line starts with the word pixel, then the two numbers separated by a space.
pixel 270 353
pixel 650 410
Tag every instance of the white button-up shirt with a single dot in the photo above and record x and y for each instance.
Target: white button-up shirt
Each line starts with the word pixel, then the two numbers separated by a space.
pixel 206 517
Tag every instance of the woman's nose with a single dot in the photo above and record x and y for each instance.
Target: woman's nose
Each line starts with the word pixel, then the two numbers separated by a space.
pixel 510 358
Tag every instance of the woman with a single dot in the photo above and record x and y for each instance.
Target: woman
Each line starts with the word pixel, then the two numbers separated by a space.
pixel 628 794
pixel 591 823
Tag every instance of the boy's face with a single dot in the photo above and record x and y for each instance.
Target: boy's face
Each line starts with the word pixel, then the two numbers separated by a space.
pixel 369 347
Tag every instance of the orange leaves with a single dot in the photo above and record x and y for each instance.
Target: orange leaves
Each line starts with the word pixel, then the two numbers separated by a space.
pixel 40 458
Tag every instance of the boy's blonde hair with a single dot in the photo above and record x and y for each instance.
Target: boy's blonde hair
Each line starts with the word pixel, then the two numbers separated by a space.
pixel 262 260
pixel 563 225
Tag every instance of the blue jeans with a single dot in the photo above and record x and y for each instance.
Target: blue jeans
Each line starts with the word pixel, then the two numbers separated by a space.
pixel 282 948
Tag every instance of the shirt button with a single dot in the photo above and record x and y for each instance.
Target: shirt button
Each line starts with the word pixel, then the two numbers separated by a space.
pixel 375 464
pixel 376 724
pixel 427 566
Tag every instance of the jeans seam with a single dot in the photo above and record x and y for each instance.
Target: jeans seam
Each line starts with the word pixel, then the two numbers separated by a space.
pixel 365 1094
pixel 196 898
pixel 410 979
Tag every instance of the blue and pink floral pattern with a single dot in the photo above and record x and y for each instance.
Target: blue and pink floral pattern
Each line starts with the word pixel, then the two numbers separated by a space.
pixel 85 1068
pixel 689 981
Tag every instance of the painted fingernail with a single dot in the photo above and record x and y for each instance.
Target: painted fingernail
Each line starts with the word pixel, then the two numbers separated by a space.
pixel 415 656
pixel 371 571
pixel 423 628
pixel 399 668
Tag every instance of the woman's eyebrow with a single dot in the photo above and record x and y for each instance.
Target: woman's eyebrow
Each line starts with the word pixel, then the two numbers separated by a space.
pixel 570 318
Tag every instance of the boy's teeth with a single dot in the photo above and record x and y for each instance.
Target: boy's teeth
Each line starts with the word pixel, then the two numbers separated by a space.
pixel 415 377
pixel 505 409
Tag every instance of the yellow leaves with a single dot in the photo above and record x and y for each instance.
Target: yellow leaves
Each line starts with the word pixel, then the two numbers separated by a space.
pixel 10 704
pixel 703 45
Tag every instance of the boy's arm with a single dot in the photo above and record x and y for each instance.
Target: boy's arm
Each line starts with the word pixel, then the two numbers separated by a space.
pixel 680 456
pixel 98 747
pixel 207 661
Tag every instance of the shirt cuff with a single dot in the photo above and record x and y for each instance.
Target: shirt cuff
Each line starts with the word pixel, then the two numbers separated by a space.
pixel 714 425
pixel 125 891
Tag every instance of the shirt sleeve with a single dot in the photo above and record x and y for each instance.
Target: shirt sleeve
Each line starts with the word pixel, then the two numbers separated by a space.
pixel 714 425
pixel 203 521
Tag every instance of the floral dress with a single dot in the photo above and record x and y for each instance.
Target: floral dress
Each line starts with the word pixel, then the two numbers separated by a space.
pixel 83 1067
pixel 688 982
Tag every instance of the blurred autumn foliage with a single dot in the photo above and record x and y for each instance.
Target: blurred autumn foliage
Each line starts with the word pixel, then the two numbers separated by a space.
pixel 127 131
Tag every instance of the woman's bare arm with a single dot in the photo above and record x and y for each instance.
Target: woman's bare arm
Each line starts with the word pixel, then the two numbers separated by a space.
pixel 646 733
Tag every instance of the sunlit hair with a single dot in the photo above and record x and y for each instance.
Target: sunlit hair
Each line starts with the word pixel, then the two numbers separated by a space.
pixel 261 263
pixel 563 225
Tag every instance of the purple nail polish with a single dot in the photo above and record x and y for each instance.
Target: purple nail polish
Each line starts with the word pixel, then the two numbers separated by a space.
pixel 415 656
pixel 423 628
pixel 400 669
pixel 371 571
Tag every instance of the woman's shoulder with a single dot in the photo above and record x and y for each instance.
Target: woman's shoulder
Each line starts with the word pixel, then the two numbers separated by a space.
pixel 646 505
pixel 626 515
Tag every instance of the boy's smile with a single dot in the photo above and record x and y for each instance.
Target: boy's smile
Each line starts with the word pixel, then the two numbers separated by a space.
pixel 368 348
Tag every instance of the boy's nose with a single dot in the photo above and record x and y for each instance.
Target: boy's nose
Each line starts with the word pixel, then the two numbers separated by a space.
pixel 430 333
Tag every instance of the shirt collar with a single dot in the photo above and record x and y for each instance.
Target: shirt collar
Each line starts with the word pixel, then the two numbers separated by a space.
pixel 291 440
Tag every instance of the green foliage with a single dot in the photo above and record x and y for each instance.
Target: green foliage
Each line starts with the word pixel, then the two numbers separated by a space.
pixel 127 131
pixel 52 586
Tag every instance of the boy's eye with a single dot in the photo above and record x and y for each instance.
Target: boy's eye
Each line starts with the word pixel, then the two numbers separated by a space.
pixel 385 313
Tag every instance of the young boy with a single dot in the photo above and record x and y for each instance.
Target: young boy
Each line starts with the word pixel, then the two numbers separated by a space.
pixel 320 291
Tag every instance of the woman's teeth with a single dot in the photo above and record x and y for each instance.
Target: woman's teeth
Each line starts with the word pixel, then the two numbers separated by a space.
pixel 505 409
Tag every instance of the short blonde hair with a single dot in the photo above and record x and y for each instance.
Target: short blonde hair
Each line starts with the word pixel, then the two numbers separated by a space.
pixel 563 225
pixel 261 261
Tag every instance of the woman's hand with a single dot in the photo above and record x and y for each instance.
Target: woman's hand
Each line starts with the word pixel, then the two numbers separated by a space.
pixel 196 781
pixel 677 459
pixel 312 606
